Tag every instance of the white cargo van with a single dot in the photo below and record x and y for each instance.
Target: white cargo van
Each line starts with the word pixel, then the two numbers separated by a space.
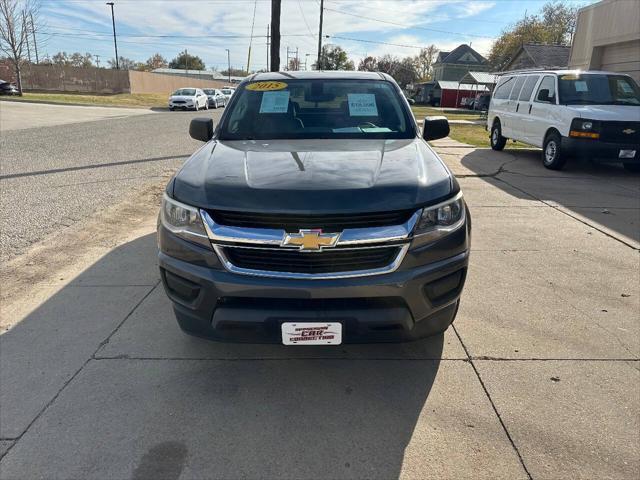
pixel 568 113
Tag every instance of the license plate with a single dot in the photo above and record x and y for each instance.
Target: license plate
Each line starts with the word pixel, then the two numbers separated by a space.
pixel 312 333
pixel 627 154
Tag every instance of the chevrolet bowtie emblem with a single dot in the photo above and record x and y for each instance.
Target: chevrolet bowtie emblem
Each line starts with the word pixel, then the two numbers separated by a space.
pixel 311 240
pixel 628 131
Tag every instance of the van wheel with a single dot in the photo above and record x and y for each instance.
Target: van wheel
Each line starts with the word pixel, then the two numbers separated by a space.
pixel 552 156
pixel 497 140
pixel 632 167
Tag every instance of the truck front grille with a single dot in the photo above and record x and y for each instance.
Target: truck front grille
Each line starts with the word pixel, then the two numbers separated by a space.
pixel 327 261
pixel 620 132
pixel 293 223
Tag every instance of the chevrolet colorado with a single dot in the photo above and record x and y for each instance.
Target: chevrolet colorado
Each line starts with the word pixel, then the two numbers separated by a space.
pixel 315 213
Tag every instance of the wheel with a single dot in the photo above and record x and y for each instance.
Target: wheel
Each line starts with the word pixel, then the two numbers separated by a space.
pixel 632 167
pixel 215 104
pixel 206 105
pixel 552 156
pixel 172 108
pixel 497 140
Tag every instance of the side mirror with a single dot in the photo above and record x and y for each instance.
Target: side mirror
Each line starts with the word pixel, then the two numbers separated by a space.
pixel 543 95
pixel 201 129
pixel 434 128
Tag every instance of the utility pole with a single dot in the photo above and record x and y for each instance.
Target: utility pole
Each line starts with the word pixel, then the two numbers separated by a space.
pixel 97 60
pixel 255 4
pixel 186 61
pixel 275 34
pixel 297 60
pixel 320 35
pixel 115 42
pixel 306 57
pixel 33 34
pixel 286 66
pixel 25 28
pixel 229 64
pixel 268 37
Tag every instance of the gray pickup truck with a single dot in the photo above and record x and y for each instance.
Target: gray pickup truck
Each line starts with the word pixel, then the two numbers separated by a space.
pixel 315 213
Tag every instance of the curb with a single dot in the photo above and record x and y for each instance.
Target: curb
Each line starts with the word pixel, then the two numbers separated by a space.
pixel 73 104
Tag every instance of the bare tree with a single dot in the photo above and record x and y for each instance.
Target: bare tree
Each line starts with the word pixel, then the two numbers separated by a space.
pixel 425 60
pixel 15 30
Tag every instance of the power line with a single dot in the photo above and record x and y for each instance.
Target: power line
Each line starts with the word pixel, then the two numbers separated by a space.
pixel 404 25
pixel 374 41
pixel 304 19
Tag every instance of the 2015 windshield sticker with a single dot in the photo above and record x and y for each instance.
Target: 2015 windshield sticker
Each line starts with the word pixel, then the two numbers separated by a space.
pixel 275 102
pixel 362 105
pixel 266 86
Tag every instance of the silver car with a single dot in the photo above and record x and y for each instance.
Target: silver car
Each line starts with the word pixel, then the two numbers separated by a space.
pixel 216 98
pixel 188 99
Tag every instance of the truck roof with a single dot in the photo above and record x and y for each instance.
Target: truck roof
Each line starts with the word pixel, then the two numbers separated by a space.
pixel 559 72
pixel 319 74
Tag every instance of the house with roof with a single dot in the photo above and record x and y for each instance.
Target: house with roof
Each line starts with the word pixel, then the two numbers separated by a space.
pixel 539 56
pixel 446 88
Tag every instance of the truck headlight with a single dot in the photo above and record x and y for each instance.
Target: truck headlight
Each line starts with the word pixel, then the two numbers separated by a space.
pixel 442 219
pixel 183 220
pixel 582 128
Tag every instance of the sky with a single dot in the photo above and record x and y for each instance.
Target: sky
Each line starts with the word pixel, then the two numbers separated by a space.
pixel 208 27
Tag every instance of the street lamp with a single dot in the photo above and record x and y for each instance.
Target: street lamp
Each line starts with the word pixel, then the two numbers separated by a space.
pixel 115 42
pixel 229 64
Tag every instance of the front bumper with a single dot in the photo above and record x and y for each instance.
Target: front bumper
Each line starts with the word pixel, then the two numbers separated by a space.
pixel 181 105
pixel 419 299
pixel 600 151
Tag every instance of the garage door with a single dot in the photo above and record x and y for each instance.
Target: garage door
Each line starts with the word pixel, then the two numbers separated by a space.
pixel 623 58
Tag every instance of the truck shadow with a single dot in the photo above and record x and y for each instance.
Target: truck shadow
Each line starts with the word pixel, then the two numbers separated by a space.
pixel 124 385
pixel 603 194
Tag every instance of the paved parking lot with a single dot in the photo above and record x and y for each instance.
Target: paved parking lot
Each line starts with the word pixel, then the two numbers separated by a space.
pixel 539 378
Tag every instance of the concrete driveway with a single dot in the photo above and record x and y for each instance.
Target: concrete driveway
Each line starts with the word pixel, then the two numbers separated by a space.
pixel 539 378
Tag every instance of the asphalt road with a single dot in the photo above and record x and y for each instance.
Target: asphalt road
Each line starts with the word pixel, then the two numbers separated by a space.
pixel 57 174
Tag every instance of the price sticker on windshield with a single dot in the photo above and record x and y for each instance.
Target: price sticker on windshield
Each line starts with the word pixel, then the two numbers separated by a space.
pixel 266 86
pixel 362 105
pixel 275 102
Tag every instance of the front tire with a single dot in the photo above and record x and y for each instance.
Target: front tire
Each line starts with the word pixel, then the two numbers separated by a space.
pixel 552 156
pixel 632 167
pixel 497 140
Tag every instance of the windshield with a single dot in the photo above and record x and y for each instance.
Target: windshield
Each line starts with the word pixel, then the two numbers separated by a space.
pixel 209 91
pixel 187 92
pixel 317 108
pixel 598 90
pixel 226 90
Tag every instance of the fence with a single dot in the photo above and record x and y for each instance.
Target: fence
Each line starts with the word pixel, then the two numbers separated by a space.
pixel 146 82
pixel 57 78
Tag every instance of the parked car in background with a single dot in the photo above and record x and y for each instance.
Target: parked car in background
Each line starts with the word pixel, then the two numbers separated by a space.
pixel 321 217
pixel 589 114
pixel 482 102
pixel 188 99
pixel 216 97
pixel 228 91
pixel 8 88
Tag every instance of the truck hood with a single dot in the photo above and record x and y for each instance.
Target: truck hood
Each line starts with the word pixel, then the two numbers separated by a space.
pixel 622 113
pixel 313 176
